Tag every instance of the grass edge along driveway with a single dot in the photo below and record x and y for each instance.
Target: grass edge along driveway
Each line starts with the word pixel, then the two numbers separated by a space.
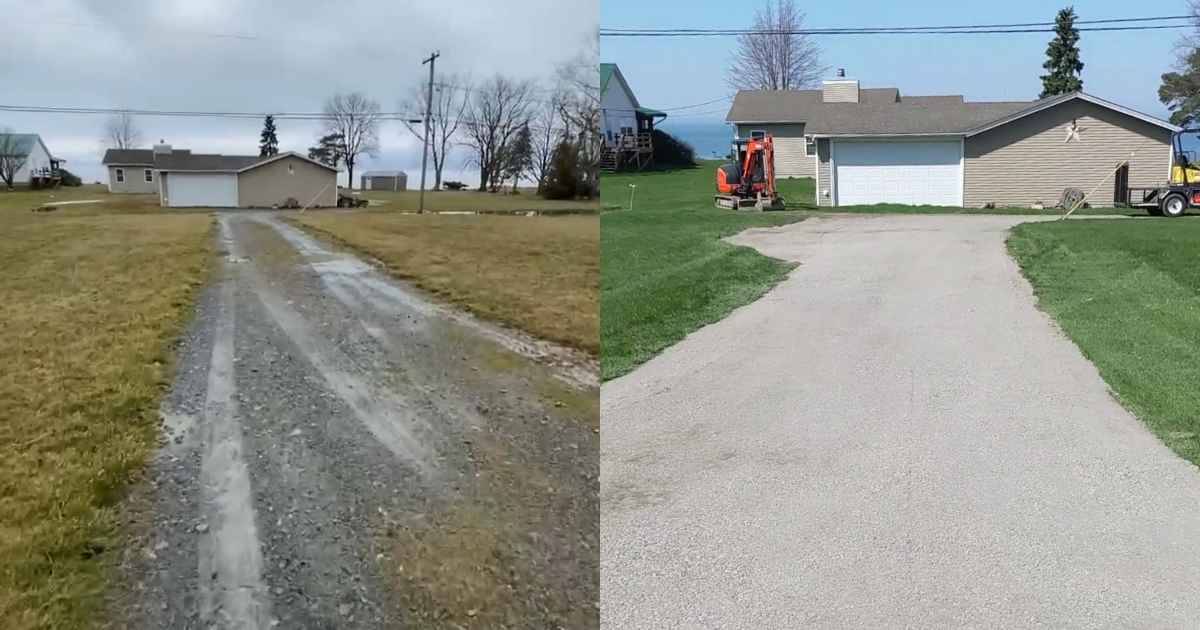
pixel 664 270
pixel 1127 293
pixel 91 306
pixel 540 274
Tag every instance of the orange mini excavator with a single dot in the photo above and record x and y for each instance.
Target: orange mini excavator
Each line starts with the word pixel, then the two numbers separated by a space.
pixel 750 182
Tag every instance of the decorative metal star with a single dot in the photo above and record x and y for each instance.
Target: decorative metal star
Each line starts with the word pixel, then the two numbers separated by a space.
pixel 1073 131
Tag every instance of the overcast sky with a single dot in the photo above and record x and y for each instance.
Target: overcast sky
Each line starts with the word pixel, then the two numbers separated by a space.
pixel 259 56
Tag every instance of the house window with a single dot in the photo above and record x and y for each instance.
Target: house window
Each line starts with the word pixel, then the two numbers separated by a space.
pixel 120 176
pixel 627 131
pixel 149 176
pixel 758 134
pixel 810 146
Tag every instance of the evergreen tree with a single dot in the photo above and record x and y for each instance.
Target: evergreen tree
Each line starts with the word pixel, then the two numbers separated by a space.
pixel 268 143
pixel 518 157
pixel 328 150
pixel 1062 57
pixel 1180 91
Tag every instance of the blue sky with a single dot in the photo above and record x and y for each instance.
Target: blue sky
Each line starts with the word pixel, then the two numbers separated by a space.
pixel 1120 66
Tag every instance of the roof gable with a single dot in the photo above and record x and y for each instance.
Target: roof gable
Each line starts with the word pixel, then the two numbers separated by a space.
pixel 1053 101
pixel 607 72
pixel 274 158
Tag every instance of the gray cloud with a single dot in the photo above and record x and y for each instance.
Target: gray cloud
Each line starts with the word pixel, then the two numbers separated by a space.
pixel 269 55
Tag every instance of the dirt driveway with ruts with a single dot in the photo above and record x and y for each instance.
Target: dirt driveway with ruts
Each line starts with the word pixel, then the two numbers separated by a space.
pixel 894 436
pixel 344 453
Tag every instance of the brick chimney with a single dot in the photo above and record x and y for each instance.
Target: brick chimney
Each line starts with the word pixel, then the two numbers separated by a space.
pixel 840 90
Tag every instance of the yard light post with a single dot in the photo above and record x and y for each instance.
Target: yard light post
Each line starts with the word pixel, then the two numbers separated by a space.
pixel 632 189
pixel 425 141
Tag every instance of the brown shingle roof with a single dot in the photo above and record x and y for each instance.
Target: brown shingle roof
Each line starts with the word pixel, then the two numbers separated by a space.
pixel 879 111
pixel 176 161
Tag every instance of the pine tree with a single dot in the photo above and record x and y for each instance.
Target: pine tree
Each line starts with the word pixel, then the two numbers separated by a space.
pixel 1062 57
pixel 268 143
pixel 519 156
pixel 1180 90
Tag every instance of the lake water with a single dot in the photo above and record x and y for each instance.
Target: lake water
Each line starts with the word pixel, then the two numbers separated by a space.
pixel 710 138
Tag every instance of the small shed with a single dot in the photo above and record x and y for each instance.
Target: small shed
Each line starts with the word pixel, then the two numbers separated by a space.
pixel 385 180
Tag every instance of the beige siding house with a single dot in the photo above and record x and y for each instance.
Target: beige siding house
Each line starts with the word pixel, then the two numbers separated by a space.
pixel 867 146
pixel 271 183
pixel 184 179
pixel 1029 159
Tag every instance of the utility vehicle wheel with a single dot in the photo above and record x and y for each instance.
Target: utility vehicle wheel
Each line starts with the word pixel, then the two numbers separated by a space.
pixel 1174 205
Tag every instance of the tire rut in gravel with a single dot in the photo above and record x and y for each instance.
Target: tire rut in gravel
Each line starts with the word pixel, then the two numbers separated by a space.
pixel 405 469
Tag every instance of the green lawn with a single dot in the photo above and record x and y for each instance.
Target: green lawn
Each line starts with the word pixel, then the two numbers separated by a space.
pixel 1128 294
pixel 663 270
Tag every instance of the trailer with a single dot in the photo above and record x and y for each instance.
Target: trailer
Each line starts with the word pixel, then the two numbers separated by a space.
pixel 1175 197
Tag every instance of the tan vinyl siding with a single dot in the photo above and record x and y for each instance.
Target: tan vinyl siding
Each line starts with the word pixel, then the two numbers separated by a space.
pixel 135 180
pixel 1029 160
pixel 824 181
pixel 271 185
pixel 790 159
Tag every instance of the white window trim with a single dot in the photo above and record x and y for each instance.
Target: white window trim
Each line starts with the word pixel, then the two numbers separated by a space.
pixel 120 175
pixel 148 175
pixel 762 133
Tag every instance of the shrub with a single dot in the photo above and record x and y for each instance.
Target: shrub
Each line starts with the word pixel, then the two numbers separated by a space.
pixel 671 151
pixel 69 178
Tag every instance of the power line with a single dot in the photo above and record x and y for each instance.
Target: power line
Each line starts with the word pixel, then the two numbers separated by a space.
pixel 887 32
pixel 905 28
pixel 1026 27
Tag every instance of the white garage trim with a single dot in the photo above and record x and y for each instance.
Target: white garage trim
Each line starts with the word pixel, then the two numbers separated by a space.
pixel 908 170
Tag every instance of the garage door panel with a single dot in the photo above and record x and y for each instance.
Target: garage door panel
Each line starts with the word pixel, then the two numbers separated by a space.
pixel 899 172
pixel 210 190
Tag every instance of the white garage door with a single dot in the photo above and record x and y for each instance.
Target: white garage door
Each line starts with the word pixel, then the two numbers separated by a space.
pixel 909 172
pixel 209 190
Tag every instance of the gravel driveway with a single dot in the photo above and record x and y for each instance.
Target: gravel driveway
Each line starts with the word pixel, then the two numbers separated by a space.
pixel 344 453
pixel 894 436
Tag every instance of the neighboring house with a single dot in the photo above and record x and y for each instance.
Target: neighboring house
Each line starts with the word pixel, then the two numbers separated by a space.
pixel 625 124
pixel 184 179
pixel 385 180
pixel 38 160
pixel 866 146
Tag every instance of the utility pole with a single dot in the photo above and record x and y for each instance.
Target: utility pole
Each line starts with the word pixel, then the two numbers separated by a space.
pixel 428 112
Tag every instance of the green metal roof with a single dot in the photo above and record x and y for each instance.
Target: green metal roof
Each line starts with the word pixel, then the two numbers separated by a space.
pixel 646 111
pixel 606 73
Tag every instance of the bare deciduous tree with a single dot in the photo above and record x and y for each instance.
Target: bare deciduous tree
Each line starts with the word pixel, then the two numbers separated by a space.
pixel 355 118
pixel 499 108
pixel 545 132
pixel 122 132
pixel 450 99
pixel 775 57
pixel 578 102
pixel 13 155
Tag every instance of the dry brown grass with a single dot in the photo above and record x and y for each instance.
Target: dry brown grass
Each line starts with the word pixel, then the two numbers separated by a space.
pixel 89 306
pixel 540 274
